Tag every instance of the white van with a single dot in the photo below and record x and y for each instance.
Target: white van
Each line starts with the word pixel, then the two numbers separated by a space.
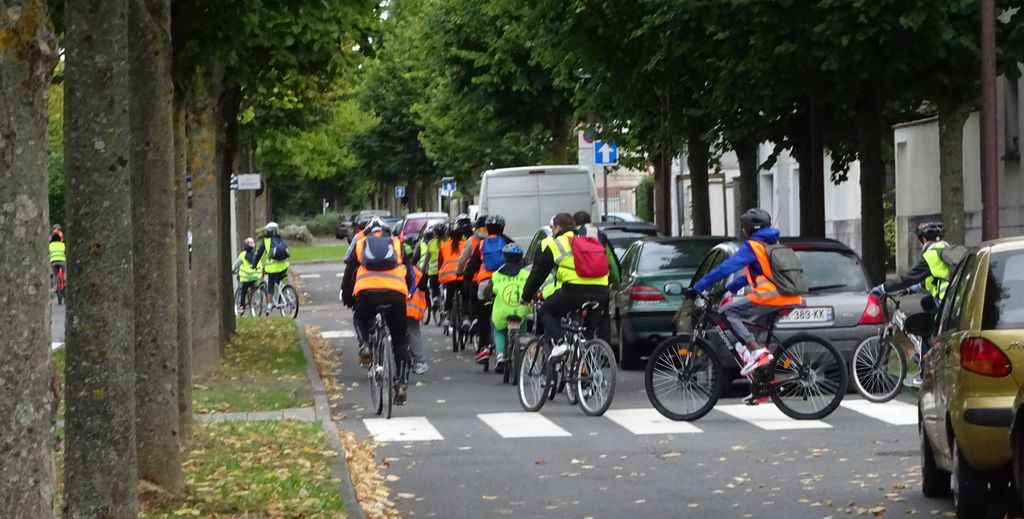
pixel 529 196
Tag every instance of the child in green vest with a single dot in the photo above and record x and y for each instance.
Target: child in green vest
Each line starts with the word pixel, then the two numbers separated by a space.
pixel 506 285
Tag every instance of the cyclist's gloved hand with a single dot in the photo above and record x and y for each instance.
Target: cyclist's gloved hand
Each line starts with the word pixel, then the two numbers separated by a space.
pixel 878 290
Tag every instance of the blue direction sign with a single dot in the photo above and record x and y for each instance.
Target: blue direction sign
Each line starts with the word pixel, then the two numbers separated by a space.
pixel 399 191
pixel 606 153
pixel 448 186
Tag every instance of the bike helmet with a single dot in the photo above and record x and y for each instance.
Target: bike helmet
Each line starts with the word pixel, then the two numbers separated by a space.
pixel 931 230
pixel 480 221
pixel 375 224
pixel 249 242
pixel 512 253
pixel 429 231
pixel 56 227
pixel 441 229
pixel 756 218
pixel 271 227
pixel 495 224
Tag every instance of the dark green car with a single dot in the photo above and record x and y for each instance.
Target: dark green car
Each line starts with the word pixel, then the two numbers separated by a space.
pixel 641 311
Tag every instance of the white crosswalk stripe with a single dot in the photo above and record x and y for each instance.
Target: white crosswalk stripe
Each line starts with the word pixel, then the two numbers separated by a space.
pixel 309 276
pixel 402 429
pixel 522 425
pixel 56 345
pixel 893 412
pixel 648 421
pixel 769 418
pixel 338 334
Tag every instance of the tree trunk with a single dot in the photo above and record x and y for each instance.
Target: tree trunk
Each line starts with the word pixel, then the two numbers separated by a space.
pixel 812 176
pixel 207 240
pixel 697 160
pixel 184 276
pixel 227 143
pixel 100 471
pixel 560 140
pixel 26 403
pixel 952 117
pixel 151 103
pixel 871 129
pixel 746 155
pixel 662 200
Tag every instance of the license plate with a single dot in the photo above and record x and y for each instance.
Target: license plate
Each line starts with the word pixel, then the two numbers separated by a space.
pixel 818 314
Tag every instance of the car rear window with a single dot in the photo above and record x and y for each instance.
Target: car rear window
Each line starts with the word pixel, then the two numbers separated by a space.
pixel 657 256
pixel 1004 292
pixel 836 270
pixel 413 225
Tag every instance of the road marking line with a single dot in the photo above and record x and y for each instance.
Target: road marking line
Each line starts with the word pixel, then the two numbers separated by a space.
pixel 648 421
pixel 522 425
pixel 309 276
pixel 338 334
pixel 892 412
pixel 56 345
pixel 769 418
pixel 404 429
pixel 339 275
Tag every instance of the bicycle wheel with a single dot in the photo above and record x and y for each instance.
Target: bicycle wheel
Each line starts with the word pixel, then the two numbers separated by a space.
pixel 388 376
pixel 684 378
pixel 879 368
pixel 60 288
pixel 376 381
pixel 533 377
pixel 257 300
pixel 808 377
pixel 426 314
pixel 595 379
pixel 239 296
pixel 573 368
pixel 456 325
pixel 289 302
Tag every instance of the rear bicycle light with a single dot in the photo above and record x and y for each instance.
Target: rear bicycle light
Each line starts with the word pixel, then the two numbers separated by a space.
pixel 645 293
pixel 873 313
pixel 979 355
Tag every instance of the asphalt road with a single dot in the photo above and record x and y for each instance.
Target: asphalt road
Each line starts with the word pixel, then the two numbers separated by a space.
pixel 463 447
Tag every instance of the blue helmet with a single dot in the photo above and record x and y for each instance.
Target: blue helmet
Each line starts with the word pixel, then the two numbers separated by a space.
pixel 512 252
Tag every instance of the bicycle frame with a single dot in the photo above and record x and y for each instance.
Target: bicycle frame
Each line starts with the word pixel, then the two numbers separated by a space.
pixel 896 324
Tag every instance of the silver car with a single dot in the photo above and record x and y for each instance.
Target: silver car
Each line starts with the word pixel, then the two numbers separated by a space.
pixel 838 306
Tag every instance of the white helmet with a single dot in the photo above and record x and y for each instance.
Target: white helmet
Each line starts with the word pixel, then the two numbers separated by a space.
pixel 376 223
pixel 271 227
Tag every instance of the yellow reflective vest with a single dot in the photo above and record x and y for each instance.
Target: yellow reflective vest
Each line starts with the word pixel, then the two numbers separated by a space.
pixel 565 265
pixel 58 252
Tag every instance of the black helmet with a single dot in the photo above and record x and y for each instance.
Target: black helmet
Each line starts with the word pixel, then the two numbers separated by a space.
pixel 495 223
pixel 756 218
pixel 931 230
pixel 481 220
pixel 429 231
pixel 441 229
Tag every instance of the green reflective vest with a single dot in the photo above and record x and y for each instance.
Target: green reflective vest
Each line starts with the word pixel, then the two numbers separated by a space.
pixel 434 248
pixel 938 280
pixel 247 272
pixel 561 250
pixel 508 291
pixel 269 265
pixel 57 252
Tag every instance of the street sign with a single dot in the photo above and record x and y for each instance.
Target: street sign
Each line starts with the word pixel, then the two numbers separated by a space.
pixel 249 182
pixel 448 186
pixel 399 191
pixel 606 153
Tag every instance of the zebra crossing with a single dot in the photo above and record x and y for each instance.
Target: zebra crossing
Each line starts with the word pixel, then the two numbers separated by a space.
pixel 635 421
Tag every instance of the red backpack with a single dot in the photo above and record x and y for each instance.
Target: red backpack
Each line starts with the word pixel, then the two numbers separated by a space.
pixel 590 257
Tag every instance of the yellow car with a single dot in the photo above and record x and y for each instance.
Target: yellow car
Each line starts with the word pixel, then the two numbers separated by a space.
pixel 976 365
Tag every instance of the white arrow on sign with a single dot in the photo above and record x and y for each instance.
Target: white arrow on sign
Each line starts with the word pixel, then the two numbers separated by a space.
pixel 606 153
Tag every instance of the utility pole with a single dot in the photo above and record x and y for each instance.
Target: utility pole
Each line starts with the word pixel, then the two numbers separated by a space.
pixel 605 170
pixel 989 147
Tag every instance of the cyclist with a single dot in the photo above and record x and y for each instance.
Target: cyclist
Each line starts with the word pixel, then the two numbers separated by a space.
pixel 423 250
pixel 585 228
pixel 434 263
pixel 58 231
pixel 275 269
pixel 248 271
pixel 378 274
pixel 415 306
pixel 506 287
pixel 481 267
pixel 471 248
pixel 58 253
pixel 558 253
pixel 448 256
pixel 930 275
pixel 763 298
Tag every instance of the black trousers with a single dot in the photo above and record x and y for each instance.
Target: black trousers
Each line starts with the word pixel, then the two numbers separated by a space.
pixel 367 304
pixel 570 298
pixel 452 289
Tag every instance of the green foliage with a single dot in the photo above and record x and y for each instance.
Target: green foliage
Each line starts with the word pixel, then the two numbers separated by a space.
pixel 55 147
pixel 318 253
pixel 645 199
pixel 320 224
pixel 297 233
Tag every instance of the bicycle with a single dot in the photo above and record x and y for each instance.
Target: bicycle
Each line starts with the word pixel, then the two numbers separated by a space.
pixel 59 285
pixel 879 364
pixel 434 309
pixel 587 372
pixel 285 299
pixel 381 373
pixel 513 351
pixel 250 298
pixel 806 380
pixel 460 332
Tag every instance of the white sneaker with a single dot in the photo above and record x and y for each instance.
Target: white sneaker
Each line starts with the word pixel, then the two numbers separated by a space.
pixel 420 368
pixel 755 360
pixel 559 350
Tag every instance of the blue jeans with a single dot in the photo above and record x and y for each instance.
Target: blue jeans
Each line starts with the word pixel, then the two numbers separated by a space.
pixel 741 309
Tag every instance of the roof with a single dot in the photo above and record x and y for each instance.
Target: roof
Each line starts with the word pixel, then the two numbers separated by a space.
pixel 811 241
pixel 683 239
pixel 1004 244
pixel 429 214
pixel 511 172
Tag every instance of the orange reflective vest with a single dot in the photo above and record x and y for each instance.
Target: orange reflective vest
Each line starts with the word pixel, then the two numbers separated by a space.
pixel 482 274
pixel 416 305
pixel 449 257
pixel 367 279
pixel 762 290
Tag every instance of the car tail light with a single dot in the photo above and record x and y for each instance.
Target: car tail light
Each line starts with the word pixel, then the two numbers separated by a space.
pixel 873 313
pixel 645 293
pixel 981 356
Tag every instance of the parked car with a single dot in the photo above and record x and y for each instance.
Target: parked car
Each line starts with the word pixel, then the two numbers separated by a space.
pixel 529 196
pixel 641 312
pixel 414 222
pixel 641 227
pixel 976 367
pixel 343 229
pixel 621 240
pixel 622 218
pixel 838 306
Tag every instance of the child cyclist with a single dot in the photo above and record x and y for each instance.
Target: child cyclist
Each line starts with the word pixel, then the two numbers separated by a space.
pixel 506 286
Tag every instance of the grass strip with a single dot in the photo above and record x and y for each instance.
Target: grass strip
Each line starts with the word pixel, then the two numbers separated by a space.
pixel 303 253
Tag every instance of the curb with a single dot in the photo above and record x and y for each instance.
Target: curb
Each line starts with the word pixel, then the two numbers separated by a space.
pixel 323 411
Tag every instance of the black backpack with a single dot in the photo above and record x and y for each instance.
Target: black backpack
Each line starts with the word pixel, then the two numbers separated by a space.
pixel 787 272
pixel 379 253
pixel 279 249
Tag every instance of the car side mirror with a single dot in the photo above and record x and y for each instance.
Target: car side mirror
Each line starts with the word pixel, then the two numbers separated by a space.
pixel 674 288
pixel 921 324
